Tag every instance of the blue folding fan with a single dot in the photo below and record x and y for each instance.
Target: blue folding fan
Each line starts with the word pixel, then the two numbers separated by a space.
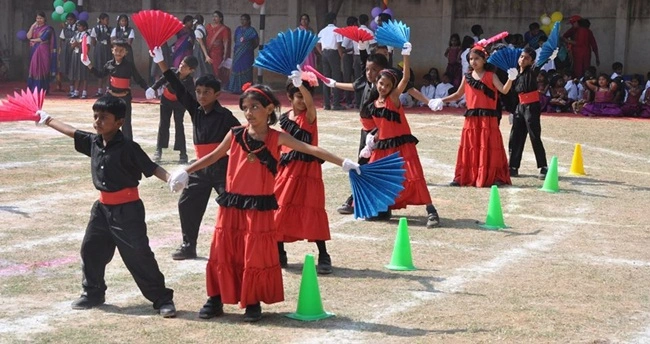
pixel 549 46
pixel 288 49
pixel 393 34
pixel 376 188
pixel 505 58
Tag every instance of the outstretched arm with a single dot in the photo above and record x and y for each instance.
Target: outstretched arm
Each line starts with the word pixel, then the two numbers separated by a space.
pixel 213 156
pixel 161 174
pixel 288 140
pixel 57 125
pixel 456 95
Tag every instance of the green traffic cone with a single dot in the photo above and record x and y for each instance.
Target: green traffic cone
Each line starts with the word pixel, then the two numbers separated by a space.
pixel 402 259
pixel 551 180
pixel 494 218
pixel 310 306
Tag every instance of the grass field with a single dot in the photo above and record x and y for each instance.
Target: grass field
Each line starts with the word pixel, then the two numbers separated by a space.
pixel 572 267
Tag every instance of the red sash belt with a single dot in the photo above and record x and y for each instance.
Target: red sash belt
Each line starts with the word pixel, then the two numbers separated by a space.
pixel 170 96
pixel 205 149
pixel 530 97
pixel 119 197
pixel 120 82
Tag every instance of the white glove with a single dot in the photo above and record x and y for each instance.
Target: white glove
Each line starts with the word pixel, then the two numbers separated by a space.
pixel 435 104
pixel 150 93
pixel 366 152
pixel 406 49
pixel 512 73
pixel 157 54
pixel 331 83
pixel 296 77
pixel 349 165
pixel 178 180
pixel 554 54
pixel 370 141
pixel 85 62
pixel 44 117
pixel 363 45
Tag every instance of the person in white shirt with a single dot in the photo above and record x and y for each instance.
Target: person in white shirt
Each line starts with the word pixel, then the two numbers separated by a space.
pixel 443 89
pixel 347 62
pixel 329 46
pixel 466 46
pixel 427 89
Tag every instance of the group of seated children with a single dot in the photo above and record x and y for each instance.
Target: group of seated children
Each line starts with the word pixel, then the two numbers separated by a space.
pixel 433 87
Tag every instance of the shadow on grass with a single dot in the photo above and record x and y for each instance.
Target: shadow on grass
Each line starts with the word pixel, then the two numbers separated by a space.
pixel 13 210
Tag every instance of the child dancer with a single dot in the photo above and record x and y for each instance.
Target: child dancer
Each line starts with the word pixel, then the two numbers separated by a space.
pixel 65 57
pixel 526 118
pixel 244 265
pixel 101 37
pixel 117 219
pixel 394 135
pixel 124 33
pixel 299 184
pixel 211 124
pixel 632 105
pixel 454 68
pixel 78 73
pixel 603 101
pixel 481 158
pixel 121 71
pixel 169 104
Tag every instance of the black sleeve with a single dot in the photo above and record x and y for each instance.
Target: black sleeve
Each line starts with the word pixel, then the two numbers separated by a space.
pixel 100 73
pixel 360 83
pixel 141 160
pixel 184 97
pixel 83 141
pixel 159 83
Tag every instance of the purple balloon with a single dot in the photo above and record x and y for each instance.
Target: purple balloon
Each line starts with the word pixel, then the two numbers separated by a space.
pixel 76 14
pixel 373 25
pixel 388 11
pixel 375 11
pixel 84 16
pixel 21 35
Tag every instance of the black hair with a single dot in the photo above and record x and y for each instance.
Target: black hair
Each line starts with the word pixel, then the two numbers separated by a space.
pixel 209 81
pixel 121 43
pixel 480 52
pixel 219 14
pixel 352 21
pixel 187 19
pixel 606 76
pixel 330 17
pixel 555 78
pixel 191 61
pixel 265 98
pixel 103 16
pixel 42 14
pixel 533 26
pixel 530 51
pixel 394 74
pixel 385 17
pixel 617 65
pixel 120 18
pixel 477 29
pixel 70 15
pixel 199 19
pixel 454 35
pixel 291 89
pixel 82 23
pixel 246 15
pixel 111 104
pixel 638 77
pixel 427 77
pixel 378 59
pixel 542 38
pixel 363 19
pixel 305 15
pixel 467 43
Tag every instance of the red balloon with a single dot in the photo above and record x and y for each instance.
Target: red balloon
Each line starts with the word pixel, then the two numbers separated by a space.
pixel 259 2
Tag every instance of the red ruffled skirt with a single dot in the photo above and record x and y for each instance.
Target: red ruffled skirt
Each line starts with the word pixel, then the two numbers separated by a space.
pixel 244 266
pixel 415 186
pixel 481 159
pixel 300 193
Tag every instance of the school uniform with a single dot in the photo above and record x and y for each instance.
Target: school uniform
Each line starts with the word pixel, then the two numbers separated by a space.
pixel 125 34
pixel 120 86
pixel 102 52
pixel 78 72
pixel 330 42
pixel 209 131
pixel 117 219
pixel 65 57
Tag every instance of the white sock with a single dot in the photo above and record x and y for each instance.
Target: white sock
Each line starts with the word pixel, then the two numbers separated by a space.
pixel 84 93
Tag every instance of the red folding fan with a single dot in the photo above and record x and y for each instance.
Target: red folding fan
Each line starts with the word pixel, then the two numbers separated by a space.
pixel 22 106
pixel 156 26
pixel 84 48
pixel 354 33
pixel 485 42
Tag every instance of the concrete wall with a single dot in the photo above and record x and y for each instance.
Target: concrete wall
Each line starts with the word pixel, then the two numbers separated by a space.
pixel 620 26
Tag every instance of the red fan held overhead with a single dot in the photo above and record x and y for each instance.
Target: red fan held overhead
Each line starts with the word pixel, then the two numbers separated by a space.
pixel 354 33
pixel 485 42
pixel 22 106
pixel 156 26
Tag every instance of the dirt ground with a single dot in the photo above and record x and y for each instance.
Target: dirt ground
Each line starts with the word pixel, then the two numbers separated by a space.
pixel 572 267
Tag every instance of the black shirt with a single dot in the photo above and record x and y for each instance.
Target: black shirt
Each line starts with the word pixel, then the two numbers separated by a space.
pixel 526 81
pixel 119 165
pixel 188 83
pixel 124 70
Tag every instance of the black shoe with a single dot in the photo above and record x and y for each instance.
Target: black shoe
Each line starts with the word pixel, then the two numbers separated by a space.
pixel 324 266
pixel 433 220
pixel 542 173
pixel 514 172
pixel 212 308
pixel 186 251
pixel 182 158
pixel 345 209
pixel 157 155
pixel 167 309
pixel 86 302
pixel 337 108
pixel 454 183
pixel 327 107
pixel 284 262
pixel 253 313
pixel 382 216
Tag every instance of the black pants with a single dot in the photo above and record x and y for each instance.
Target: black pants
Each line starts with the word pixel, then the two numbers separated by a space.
pixel 168 107
pixel 121 226
pixel 194 200
pixel 331 69
pixel 127 128
pixel 348 76
pixel 526 121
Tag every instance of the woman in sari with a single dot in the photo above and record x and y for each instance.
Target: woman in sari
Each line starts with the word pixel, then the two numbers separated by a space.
pixel 304 25
pixel 184 41
pixel 218 44
pixel 246 41
pixel 42 64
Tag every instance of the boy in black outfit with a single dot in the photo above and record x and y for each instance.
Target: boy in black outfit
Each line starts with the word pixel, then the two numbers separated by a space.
pixel 169 103
pixel 121 71
pixel 211 124
pixel 117 218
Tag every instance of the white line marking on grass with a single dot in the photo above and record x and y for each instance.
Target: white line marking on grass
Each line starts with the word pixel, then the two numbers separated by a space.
pixel 600 149
pixel 601 260
pixel 29 245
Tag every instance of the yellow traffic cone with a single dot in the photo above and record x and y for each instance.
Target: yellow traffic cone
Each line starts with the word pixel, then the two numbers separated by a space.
pixel 577 169
pixel 310 305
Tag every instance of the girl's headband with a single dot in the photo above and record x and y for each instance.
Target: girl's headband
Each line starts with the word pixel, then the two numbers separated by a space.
pixel 391 72
pixel 247 87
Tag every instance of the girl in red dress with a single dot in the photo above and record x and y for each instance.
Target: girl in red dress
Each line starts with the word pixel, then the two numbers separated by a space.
pixel 243 265
pixel 299 184
pixel 481 159
pixel 394 135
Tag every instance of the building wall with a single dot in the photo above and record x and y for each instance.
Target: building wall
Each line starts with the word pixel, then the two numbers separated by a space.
pixel 620 26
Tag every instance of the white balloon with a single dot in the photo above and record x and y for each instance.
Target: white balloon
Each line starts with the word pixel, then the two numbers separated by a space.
pixel 546 20
pixel 59 9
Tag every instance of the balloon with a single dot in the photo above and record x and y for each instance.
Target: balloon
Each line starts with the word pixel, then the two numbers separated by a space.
pixel 388 11
pixel 545 19
pixel 546 28
pixel 57 3
pixel 76 14
pixel 256 6
pixel 59 9
pixel 62 17
pixel 373 25
pixel 69 6
pixel 21 35
pixel 56 17
pixel 556 16
pixel 84 16
pixel 375 11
